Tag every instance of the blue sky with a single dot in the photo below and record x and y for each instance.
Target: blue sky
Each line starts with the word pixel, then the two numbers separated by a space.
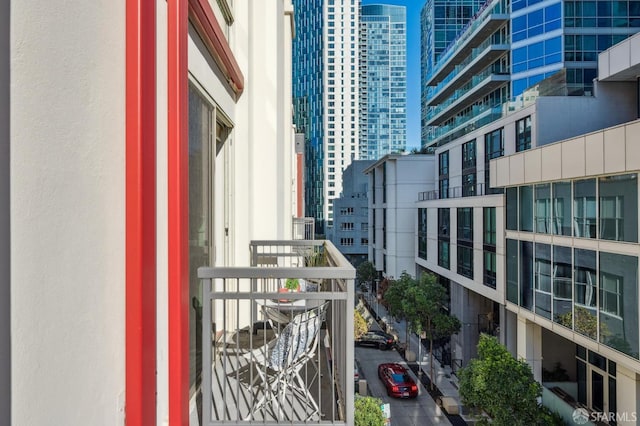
pixel 413 66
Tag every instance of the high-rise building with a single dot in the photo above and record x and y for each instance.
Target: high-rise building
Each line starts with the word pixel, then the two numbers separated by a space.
pixel 504 49
pixel 383 80
pixel 545 39
pixel 441 21
pixel 325 92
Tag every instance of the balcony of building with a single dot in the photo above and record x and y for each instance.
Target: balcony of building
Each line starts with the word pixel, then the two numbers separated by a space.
pixel 481 57
pixel 303 228
pixel 468 95
pixel 491 16
pixel 476 190
pixel 279 337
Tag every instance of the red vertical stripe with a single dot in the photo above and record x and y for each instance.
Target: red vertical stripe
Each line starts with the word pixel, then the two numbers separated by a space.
pixel 178 213
pixel 140 212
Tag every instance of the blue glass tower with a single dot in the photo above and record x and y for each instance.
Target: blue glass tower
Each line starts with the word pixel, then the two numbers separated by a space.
pixel 504 49
pixel 307 101
pixel 543 41
pixel 383 86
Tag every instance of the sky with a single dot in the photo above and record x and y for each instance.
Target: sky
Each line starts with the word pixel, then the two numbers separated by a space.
pixel 413 66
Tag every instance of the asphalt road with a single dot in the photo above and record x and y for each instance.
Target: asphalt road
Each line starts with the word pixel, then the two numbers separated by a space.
pixel 421 411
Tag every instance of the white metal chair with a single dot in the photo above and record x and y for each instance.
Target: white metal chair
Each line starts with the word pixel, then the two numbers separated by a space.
pixel 280 362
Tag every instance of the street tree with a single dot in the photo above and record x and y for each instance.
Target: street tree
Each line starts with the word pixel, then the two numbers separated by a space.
pixel 424 307
pixel 360 325
pixel 422 304
pixel 367 411
pixel 366 272
pixel 503 387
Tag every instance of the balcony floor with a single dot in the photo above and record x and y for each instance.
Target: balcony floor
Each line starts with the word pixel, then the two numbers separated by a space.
pixel 234 395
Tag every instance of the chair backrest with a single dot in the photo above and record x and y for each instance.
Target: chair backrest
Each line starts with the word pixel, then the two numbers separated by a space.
pixel 298 338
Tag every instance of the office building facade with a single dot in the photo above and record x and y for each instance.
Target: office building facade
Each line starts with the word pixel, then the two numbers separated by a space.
pixel 350 231
pixel 325 96
pixel 383 80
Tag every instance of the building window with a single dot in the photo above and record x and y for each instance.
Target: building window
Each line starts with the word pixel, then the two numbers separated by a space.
pixel 205 121
pixel 584 208
pixel 526 275
pixel 443 237
pixel 384 228
pixel 346 226
pixel 493 148
pixel 469 169
pixel 364 241
pixel 619 302
pixel 422 234
pixel 346 242
pixel 523 134
pixel 542 211
pixel 489 246
pixel 542 280
pixel 384 182
pixel 562 282
pixel 346 211
pixel 512 208
pixel 618 207
pixel 489 264
pixel 561 213
pixel 512 271
pixel 443 172
pixel 525 210
pixel 465 261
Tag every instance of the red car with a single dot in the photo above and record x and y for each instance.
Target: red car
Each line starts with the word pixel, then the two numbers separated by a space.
pixel 397 381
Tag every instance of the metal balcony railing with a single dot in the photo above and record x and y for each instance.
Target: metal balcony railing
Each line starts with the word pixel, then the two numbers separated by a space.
pixel 458 192
pixel 279 356
pixel 303 228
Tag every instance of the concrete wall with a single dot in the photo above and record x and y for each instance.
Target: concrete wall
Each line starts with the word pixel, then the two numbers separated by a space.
pixel 563 117
pixel 5 224
pixel 68 212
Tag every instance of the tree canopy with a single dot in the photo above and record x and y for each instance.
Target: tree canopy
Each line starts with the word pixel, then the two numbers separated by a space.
pixel 367 411
pixel 502 386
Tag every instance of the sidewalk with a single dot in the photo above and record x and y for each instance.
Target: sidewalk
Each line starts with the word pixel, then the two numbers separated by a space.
pixel 445 383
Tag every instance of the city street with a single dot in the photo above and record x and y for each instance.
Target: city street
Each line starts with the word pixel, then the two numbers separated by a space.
pixel 421 411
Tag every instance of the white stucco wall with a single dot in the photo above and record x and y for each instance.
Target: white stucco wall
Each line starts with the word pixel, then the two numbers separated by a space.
pixel 67 212
pixel 5 225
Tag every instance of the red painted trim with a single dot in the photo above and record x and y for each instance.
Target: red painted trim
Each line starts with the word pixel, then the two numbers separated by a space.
pixel 206 24
pixel 140 213
pixel 178 211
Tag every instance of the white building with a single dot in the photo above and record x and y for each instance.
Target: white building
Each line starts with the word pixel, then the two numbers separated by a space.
pixel 138 141
pixel 394 182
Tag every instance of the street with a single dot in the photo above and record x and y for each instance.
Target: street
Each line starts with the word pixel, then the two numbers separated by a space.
pixel 421 411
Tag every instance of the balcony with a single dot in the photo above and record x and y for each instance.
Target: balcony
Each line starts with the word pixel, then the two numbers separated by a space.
pixel 476 190
pixel 491 16
pixel 274 355
pixel 303 228
pixel 480 58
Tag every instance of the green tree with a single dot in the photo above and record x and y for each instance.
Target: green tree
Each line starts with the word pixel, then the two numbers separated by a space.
pixel 501 386
pixel 368 412
pixel 366 272
pixel 421 303
pixel 359 324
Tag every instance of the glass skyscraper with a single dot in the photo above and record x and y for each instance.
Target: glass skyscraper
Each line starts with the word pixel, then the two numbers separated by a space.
pixel 325 91
pixel 383 80
pixel 543 40
pixel 472 67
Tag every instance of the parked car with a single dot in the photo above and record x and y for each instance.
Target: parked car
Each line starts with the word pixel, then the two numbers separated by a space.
pixel 397 380
pixel 377 339
pixel 356 375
